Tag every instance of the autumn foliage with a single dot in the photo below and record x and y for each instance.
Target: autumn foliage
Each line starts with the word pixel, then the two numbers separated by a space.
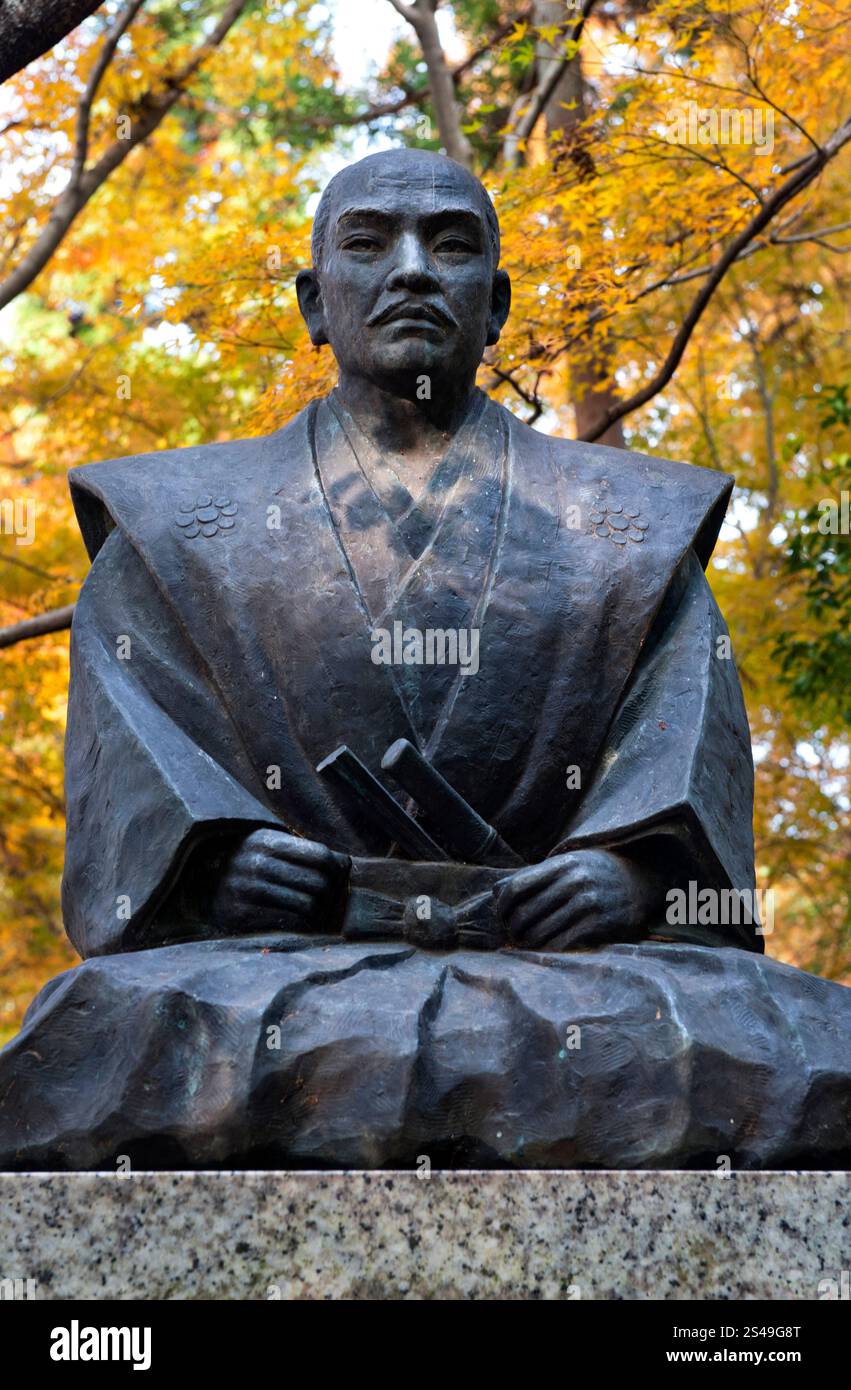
pixel 679 279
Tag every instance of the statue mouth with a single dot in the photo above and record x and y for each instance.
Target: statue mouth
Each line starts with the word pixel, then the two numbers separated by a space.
pixel 413 313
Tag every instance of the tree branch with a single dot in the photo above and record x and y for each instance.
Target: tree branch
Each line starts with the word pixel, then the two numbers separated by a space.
pixel 104 58
pixel 421 16
pixel 808 170
pixel 531 398
pixel 33 569
pixel 29 28
pixel 532 114
pixel 85 182
pixel 56 620
pixel 412 95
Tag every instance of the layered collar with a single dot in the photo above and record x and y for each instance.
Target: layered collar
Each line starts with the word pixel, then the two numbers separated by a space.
pixel 421 566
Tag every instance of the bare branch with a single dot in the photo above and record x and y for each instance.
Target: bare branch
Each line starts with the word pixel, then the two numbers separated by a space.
pixel 412 95
pixel 531 398
pixel 33 569
pixel 104 58
pixel 57 620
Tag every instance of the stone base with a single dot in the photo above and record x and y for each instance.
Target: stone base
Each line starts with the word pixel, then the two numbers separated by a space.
pixel 391 1235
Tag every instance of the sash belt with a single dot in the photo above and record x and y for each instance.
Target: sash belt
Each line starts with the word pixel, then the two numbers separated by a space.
pixel 440 907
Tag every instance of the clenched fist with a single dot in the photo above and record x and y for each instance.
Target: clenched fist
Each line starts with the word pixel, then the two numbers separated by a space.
pixel 583 898
pixel 267 881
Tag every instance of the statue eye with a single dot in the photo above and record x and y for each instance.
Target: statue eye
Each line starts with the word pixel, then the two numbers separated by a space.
pixel 361 242
pixel 455 244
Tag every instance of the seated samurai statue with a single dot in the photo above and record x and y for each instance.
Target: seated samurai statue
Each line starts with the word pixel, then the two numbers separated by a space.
pixel 408 775
pixel 405 667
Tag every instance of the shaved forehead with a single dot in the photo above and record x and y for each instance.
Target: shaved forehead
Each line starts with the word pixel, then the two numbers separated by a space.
pixel 410 168
pixel 436 181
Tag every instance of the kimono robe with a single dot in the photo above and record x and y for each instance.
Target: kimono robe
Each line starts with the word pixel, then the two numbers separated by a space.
pixel 223 645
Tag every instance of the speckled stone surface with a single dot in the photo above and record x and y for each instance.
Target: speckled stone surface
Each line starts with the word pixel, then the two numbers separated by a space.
pixel 393 1235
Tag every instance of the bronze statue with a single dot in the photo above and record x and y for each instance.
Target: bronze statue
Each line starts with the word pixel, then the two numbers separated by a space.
pixel 403 683
pixel 601 735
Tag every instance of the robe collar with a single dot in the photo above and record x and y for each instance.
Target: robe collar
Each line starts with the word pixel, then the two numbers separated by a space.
pixel 415 519
pixel 418 564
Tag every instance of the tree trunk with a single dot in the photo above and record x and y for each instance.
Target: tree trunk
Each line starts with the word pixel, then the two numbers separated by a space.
pixel 421 16
pixel 591 384
pixel 29 28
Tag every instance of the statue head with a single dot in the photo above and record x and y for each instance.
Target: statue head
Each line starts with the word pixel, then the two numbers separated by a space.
pixel 405 280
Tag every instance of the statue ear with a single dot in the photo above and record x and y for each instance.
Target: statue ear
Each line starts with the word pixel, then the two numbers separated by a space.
pixel 500 305
pixel 310 304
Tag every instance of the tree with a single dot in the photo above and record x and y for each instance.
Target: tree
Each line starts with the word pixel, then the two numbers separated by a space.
pixel 817 665
pixel 674 277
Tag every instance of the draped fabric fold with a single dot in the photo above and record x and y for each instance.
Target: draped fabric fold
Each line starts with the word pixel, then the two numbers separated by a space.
pixel 677 761
pixel 224 645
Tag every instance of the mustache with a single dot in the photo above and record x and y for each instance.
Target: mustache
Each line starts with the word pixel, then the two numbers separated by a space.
pixel 413 308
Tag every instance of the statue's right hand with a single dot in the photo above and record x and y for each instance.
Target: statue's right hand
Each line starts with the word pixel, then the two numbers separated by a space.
pixel 270 881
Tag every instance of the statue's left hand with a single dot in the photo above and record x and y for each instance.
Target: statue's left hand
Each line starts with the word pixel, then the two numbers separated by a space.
pixel 583 898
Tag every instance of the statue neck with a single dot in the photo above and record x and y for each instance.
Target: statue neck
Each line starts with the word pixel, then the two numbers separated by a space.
pixel 414 435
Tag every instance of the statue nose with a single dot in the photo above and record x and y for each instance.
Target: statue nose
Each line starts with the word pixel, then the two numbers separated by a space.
pixel 412 270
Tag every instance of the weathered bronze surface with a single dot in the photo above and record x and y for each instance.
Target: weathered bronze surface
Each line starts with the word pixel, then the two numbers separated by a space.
pixel 405 560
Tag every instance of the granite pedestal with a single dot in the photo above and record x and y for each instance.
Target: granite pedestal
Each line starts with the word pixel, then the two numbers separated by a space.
pixel 448 1235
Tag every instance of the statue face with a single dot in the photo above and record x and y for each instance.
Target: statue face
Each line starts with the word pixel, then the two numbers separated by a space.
pixel 407 286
